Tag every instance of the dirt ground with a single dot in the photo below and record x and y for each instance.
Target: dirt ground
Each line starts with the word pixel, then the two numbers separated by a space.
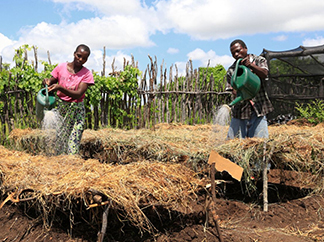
pixel 294 215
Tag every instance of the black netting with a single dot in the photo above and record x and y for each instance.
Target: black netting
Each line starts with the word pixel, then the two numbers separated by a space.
pixel 295 75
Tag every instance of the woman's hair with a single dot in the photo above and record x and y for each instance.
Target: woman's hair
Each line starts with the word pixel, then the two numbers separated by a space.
pixel 84 47
pixel 241 42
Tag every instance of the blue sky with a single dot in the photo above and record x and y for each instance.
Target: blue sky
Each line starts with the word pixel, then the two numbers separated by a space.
pixel 172 30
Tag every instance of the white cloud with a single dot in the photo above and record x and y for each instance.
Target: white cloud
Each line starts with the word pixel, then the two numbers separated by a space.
pixel 314 42
pixel 126 24
pixel 117 32
pixel 96 61
pixel 114 32
pixel 217 19
pixel 4 42
pixel 280 38
pixel 204 57
pixel 181 68
pixel 173 51
pixel 124 7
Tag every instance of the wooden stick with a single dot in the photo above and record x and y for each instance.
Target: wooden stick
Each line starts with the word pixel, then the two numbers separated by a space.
pixel 101 234
pixel 265 178
pixel 215 216
pixel 97 205
pixel 11 197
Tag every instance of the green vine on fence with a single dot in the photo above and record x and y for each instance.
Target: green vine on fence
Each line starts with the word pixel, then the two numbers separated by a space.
pixel 24 77
pixel 124 83
pixel 115 100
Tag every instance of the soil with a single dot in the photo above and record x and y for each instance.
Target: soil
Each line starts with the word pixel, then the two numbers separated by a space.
pixel 294 214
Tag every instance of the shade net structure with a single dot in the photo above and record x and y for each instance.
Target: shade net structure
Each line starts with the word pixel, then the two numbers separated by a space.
pixel 295 76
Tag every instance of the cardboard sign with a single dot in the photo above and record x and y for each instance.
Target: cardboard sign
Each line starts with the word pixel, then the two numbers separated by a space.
pixel 222 164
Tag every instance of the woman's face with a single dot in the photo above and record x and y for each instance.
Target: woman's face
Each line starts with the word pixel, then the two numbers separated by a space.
pixel 80 56
pixel 238 51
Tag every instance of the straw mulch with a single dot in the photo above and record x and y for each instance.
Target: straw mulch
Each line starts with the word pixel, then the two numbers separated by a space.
pixel 290 147
pixel 55 182
pixel 136 168
pixel 166 143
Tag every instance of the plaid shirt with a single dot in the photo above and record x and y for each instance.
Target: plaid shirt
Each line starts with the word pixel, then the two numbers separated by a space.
pixel 260 103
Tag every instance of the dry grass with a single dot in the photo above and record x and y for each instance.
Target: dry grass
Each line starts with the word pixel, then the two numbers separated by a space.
pixel 298 148
pixel 139 168
pixel 127 187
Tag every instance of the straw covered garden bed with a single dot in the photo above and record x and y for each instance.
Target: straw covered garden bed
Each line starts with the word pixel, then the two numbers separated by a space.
pixel 146 177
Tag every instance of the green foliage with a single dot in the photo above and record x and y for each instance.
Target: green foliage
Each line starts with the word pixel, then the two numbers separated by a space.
pixel 121 89
pixel 313 111
pixel 125 83
pixel 23 76
pixel 218 73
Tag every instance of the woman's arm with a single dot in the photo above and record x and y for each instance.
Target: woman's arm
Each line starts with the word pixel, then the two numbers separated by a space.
pixel 75 94
pixel 50 81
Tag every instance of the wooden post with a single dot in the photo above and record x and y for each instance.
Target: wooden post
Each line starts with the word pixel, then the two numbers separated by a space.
pixel 211 101
pixel 213 203
pixel 36 60
pixel 321 89
pixel 265 177
pixel 160 105
pixel 49 58
pixel 176 101
pixel 101 234
pixel 103 73
pixel 170 96
pixel 166 100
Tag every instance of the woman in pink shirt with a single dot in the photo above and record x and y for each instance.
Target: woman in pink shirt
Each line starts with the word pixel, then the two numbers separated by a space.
pixel 70 80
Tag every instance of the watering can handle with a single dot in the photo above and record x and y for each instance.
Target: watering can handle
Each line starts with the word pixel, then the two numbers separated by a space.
pixel 46 97
pixel 233 84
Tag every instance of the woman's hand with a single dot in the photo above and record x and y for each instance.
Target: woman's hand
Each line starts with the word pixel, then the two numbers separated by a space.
pixel 75 94
pixel 49 81
pixel 54 87
pixel 46 81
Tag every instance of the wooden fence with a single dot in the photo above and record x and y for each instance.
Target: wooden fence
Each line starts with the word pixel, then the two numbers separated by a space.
pixel 164 100
pixel 164 97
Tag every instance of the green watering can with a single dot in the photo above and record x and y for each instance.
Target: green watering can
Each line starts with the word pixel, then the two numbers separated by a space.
pixel 245 82
pixel 45 101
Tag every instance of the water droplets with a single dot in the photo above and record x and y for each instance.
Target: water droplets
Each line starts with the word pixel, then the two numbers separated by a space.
pixel 51 123
pixel 222 115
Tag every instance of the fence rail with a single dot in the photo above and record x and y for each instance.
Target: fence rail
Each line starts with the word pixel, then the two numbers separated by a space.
pixel 163 97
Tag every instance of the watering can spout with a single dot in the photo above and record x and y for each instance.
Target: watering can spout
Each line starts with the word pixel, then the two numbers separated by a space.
pixel 46 97
pixel 235 101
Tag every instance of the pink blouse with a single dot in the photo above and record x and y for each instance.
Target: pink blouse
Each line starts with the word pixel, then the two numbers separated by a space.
pixel 71 81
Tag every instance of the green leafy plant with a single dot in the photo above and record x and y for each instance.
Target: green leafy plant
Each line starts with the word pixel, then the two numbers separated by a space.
pixel 313 111
pixel 218 73
pixel 116 87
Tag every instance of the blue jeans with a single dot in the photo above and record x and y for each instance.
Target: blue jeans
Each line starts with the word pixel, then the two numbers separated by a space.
pixel 254 127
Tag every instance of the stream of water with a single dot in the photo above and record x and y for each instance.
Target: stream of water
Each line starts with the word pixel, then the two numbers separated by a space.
pixel 221 120
pixel 51 123
pixel 222 115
